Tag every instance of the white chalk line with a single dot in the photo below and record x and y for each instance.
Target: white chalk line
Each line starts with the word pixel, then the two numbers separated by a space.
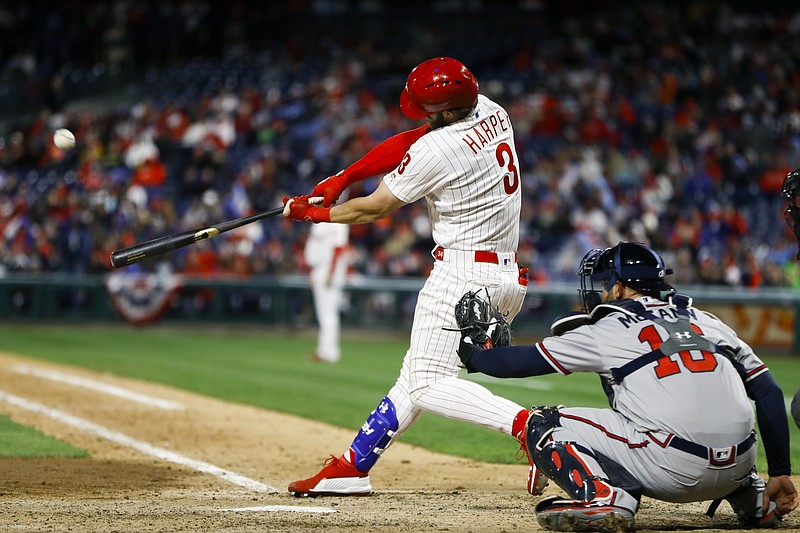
pixel 277 508
pixel 92 384
pixel 121 392
pixel 140 446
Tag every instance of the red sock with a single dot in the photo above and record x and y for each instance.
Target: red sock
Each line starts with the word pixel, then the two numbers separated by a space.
pixel 518 426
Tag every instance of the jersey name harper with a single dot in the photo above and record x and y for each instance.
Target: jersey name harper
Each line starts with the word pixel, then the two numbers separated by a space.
pixel 486 130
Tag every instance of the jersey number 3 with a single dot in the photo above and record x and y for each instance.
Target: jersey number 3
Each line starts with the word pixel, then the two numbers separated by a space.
pixel 505 158
pixel 666 366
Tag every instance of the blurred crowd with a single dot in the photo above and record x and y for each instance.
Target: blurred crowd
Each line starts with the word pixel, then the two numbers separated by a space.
pixel 673 126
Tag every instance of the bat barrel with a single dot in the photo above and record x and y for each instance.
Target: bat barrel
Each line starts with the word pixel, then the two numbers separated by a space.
pixel 122 258
pixel 162 245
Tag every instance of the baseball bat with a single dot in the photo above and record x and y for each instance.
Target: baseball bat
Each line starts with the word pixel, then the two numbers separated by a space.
pixel 162 245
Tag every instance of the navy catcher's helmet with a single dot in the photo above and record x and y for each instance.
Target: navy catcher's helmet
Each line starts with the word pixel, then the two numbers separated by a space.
pixel 635 265
pixel 791 187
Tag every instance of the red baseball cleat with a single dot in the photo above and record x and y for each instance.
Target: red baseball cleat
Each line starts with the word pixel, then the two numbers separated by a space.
pixel 337 478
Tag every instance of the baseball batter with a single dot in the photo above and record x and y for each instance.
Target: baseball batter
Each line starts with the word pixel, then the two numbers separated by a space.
pixel 464 164
pixel 326 255
pixel 679 382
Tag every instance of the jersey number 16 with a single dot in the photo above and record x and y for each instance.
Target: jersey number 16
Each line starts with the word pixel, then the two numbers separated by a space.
pixel 666 366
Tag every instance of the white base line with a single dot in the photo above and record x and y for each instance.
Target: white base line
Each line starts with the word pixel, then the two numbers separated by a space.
pixel 113 390
pixel 138 445
pixel 274 508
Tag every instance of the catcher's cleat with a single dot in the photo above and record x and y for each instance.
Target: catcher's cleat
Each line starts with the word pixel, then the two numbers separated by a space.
pixel 337 478
pixel 747 502
pixel 537 481
pixel 576 515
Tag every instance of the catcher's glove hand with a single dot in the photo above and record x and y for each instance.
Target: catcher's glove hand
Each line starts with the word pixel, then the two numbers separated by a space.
pixel 482 326
pixel 481 322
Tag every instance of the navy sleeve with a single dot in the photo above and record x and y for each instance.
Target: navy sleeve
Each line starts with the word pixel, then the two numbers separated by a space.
pixel 509 362
pixel 773 425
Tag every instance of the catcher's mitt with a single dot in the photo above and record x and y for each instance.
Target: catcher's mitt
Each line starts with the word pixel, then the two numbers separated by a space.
pixel 481 322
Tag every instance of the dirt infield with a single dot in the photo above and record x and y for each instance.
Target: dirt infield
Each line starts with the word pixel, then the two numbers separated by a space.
pixel 215 466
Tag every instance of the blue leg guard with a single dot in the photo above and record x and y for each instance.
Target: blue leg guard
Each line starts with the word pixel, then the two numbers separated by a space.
pixel 375 436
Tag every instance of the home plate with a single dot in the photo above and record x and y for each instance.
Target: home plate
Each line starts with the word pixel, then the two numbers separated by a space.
pixel 291 508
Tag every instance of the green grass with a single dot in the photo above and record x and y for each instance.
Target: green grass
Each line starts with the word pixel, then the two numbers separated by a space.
pixel 270 369
pixel 21 441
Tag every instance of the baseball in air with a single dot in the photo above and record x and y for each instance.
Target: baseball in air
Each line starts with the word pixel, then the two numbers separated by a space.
pixel 64 139
pixel 796 408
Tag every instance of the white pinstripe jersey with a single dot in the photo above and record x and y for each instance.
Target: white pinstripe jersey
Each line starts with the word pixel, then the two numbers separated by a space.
pixel 468 172
pixel 697 395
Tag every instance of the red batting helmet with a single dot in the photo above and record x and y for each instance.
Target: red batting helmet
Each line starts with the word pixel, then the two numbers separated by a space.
pixel 436 85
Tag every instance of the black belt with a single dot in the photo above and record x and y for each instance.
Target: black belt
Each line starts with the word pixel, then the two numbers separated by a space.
pixel 715 456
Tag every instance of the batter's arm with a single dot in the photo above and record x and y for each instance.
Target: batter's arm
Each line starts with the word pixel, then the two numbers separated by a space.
pixel 367 209
pixel 380 160
pixel 385 156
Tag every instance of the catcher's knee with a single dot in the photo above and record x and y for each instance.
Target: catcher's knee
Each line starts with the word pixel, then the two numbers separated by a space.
pixel 375 435
pixel 541 423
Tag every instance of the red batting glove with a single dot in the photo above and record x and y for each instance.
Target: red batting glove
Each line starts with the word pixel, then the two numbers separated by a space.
pixel 299 209
pixel 331 188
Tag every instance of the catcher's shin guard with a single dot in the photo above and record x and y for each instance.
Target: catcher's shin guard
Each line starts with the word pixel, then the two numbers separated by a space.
pixel 575 469
pixel 375 436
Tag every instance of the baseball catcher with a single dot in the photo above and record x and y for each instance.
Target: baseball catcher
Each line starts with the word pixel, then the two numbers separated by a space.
pixel 680 427
pixel 480 323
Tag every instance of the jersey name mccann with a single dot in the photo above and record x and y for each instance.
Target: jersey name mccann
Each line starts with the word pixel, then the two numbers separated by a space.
pixel 628 320
pixel 486 130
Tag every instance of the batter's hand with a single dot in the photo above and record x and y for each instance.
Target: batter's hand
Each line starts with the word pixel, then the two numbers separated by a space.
pixel 309 198
pixel 298 208
pixel 331 188
pixel 782 491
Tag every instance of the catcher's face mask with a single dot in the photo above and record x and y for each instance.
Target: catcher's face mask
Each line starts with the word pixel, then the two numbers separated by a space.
pixel 590 272
pixel 791 184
